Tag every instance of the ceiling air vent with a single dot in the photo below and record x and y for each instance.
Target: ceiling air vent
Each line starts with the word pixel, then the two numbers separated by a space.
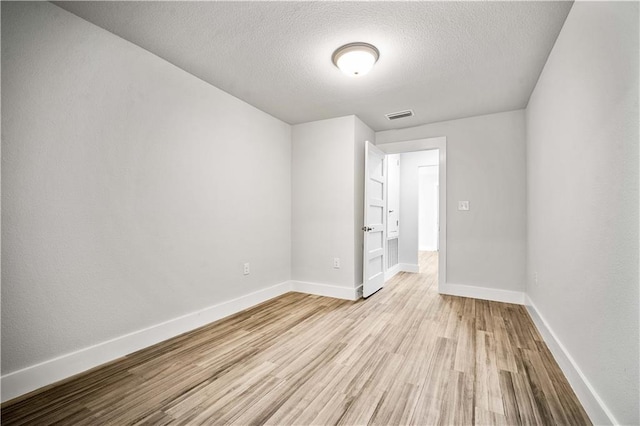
pixel 399 114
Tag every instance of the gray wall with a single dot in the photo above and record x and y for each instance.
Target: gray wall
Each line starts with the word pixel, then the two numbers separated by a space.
pixel 132 191
pixel 323 159
pixel 485 165
pixel 582 162
pixel 328 200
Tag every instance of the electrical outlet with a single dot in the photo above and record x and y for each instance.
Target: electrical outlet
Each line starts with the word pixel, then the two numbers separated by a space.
pixel 246 270
pixel 463 205
pixel 535 279
pixel 336 263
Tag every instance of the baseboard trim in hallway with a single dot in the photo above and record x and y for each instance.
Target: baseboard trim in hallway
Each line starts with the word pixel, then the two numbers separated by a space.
pixel 484 293
pixel 589 398
pixel 410 267
pixel 36 376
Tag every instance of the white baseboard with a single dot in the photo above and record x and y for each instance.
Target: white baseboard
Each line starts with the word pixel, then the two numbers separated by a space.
pixel 328 290
pixel 589 398
pixel 484 293
pixel 36 376
pixel 391 272
pixel 408 267
pixel 31 378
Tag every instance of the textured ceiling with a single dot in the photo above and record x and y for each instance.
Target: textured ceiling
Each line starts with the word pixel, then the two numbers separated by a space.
pixel 444 60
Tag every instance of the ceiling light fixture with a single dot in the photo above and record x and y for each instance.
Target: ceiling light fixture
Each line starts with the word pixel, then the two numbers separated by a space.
pixel 355 59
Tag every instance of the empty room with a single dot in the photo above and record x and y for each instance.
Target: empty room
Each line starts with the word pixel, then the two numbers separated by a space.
pixel 325 212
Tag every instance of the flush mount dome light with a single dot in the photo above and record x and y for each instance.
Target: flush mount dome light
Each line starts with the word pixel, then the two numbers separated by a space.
pixel 355 59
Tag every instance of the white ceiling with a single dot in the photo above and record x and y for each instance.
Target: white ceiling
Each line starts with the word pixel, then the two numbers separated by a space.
pixel 444 60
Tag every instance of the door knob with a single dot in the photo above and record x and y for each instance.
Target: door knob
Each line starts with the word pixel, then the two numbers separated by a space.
pixel 367 228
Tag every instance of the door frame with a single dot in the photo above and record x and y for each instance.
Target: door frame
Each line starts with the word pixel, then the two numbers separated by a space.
pixel 426 144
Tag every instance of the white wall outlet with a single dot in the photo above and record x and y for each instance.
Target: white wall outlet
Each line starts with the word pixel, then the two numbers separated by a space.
pixel 336 263
pixel 245 269
pixel 463 205
pixel 535 278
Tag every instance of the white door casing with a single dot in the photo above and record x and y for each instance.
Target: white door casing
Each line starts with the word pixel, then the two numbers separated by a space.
pixel 374 220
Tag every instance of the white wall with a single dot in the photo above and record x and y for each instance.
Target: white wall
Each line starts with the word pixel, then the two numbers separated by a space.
pixel 132 191
pixel 428 208
pixel 582 162
pixel 327 204
pixel 485 165
pixel 409 203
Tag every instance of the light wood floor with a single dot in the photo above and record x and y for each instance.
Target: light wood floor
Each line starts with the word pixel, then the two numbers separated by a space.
pixel 406 355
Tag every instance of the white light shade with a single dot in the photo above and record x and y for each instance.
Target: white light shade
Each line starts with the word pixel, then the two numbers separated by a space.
pixel 355 59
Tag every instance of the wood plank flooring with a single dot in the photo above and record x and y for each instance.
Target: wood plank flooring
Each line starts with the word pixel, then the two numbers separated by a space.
pixel 406 355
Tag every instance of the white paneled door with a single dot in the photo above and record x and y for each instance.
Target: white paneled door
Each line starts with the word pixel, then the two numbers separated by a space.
pixel 374 220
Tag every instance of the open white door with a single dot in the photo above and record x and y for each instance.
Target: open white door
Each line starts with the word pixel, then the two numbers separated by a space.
pixel 374 220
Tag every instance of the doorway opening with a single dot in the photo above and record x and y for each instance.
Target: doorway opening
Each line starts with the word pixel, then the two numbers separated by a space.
pixel 416 241
pixel 412 208
pixel 428 189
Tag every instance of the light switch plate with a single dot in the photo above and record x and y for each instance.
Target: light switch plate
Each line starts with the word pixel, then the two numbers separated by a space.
pixel 463 205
